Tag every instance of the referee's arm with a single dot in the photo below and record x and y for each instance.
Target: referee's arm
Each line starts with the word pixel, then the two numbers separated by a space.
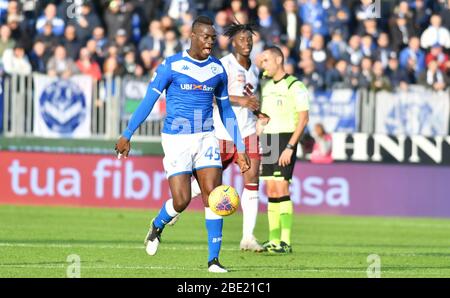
pixel 302 99
pixel 302 106
pixel 303 118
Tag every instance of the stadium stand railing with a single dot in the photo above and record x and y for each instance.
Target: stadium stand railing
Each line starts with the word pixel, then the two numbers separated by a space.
pixel 106 120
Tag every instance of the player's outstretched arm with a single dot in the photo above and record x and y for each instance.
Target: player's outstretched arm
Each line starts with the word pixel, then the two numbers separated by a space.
pixel 161 79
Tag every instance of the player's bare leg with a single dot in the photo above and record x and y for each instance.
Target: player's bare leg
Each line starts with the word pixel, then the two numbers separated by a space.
pixel 180 187
pixel 195 191
pixel 249 204
pixel 208 179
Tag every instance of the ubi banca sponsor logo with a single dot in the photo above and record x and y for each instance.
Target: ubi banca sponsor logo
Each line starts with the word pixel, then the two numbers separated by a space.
pixel 199 87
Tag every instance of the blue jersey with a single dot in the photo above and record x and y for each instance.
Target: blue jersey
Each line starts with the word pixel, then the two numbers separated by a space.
pixel 191 86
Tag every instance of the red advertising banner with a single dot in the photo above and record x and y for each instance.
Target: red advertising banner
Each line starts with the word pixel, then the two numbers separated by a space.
pixel 140 182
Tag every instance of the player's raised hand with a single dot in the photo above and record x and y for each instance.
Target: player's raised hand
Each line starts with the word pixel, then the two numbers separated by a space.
pixel 122 147
pixel 243 162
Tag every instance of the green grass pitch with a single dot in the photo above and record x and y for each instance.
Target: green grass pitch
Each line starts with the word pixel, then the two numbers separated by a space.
pixel 36 241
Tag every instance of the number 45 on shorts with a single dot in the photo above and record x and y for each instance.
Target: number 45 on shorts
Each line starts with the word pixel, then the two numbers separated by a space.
pixel 213 153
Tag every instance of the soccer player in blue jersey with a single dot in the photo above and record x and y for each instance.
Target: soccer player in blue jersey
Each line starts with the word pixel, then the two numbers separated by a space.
pixel 191 79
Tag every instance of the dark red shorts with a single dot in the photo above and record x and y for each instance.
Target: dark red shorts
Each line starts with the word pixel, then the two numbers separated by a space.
pixel 228 151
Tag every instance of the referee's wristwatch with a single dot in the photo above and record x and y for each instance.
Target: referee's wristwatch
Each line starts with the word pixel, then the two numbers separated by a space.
pixel 289 146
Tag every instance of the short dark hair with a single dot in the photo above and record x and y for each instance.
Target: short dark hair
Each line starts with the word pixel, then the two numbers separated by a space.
pixel 277 51
pixel 202 20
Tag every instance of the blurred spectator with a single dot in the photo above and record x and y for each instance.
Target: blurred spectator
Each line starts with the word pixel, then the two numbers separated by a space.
pixel 236 6
pixel 338 76
pixel 172 45
pixel 39 57
pixel 258 47
pixel 338 15
pixel 319 53
pixel 148 61
pixel 369 28
pixel 366 76
pixel 71 43
pixel 6 42
pixel 383 49
pixel 222 47
pixel 322 148
pixel 147 10
pixel 175 9
pixel 112 68
pixel 337 45
pixel 379 80
pixel 306 34
pixel 290 23
pixel 355 78
pixel 367 46
pixel 185 38
pixel 167 24
pixel 121 43
pixel 435 34
pixel 403 9
pixel 412 58
pixel 50 17
pixel 221 21
pixel 101 42
pixel 433 77
pixel 94 51
pixel 397 76
pixel 353 52
pixel 311 77
pixel 85 21
pixel 305 56
pixel 252 8
pixel 117 16
pixel 48 38
pixel 445 15
pixel 436 53
pixel 130 65
pixel 268 26
pixel 312 13
pixel 15 61
pixel 401 32
pixel 154 40
pixel 86 65
pixel 18 32
pixel 61 65
pixel 421 15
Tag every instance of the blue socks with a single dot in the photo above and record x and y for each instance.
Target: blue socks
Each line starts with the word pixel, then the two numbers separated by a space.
pixel 165 215
pixel 214 224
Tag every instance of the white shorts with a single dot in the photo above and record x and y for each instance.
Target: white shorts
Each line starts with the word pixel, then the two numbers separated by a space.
pixel 185 153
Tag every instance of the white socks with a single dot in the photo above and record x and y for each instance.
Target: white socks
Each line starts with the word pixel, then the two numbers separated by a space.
pixel 249 204
pixel 195 189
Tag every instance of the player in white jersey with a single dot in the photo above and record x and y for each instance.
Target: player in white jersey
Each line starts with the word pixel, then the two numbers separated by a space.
pixel 243 77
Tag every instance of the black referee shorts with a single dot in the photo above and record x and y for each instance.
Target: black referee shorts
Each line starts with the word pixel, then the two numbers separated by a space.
pixel 272 146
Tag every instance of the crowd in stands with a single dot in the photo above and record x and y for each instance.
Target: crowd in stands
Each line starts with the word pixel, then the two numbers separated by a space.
pixel 327 43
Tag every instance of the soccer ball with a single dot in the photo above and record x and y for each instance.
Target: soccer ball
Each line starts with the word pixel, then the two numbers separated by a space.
pixel 223 200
